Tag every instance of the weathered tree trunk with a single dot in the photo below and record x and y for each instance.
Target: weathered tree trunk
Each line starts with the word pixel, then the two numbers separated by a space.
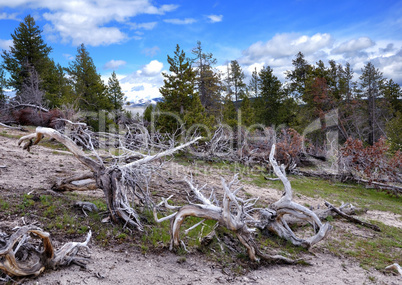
pixel 116 181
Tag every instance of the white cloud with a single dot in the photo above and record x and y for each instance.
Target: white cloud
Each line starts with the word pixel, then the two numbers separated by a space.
pixel 88 21
pixel 215 18
pixel 185 21
pixel 114 64
pixel 279 52
pixel 68 56
pixel 353 46
pixel 6 44
pixel 285 45
pixel 143 83
pixel 145 26
pixel 153 68
pixel 151 51
pixel 5 16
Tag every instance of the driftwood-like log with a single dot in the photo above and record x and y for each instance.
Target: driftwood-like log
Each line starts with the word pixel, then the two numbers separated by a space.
pixel 32 259
pixel 14 128
pixel 117 181
pixel 67 185
pixel 238 215
pixel 352 219
pixel 273 217
pixel 395 267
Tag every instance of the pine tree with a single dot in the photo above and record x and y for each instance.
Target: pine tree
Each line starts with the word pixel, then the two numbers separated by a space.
pixel 178 91
pixel 236 77
pixel 370 82
pixel 58 91
pixel 229 113
pixel 28 50
pixel 268 104
pixel 393 96
pixel 207 81
pixel 115 93
pixel 247 112
pixel 3 97
pixel 253 84
pixel 89 91
pixel 197 116
pixel 299 75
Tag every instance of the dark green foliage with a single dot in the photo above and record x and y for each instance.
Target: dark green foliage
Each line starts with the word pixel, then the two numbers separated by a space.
pixel 89 92
pixel 299 75
pixel 370 83
pixel 393 96
pixel 28 51
pixel 236 77
pixel 178 92
pixel 207 80
pixel 269 104
pixel 3 97
pixel 56 86
pixel 115 93
pixel 247 112
pixel 197 119
pixel 253 84
pixel 229 113
pixel 394 131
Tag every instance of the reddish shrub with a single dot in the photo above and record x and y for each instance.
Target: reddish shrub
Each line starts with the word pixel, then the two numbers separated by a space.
pixel 372 162
pixel 34 117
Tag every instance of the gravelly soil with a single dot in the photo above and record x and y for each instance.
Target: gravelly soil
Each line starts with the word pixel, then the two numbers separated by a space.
pixel 25 172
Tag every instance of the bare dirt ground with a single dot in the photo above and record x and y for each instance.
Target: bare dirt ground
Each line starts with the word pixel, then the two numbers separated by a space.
pixel 25 172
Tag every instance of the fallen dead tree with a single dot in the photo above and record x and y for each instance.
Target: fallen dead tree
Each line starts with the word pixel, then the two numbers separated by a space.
pixel 350 218
pixel 122 183
pixel 241 217
pixel 29 251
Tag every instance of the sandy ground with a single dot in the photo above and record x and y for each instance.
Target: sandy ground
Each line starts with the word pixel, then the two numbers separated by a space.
pixel 25 172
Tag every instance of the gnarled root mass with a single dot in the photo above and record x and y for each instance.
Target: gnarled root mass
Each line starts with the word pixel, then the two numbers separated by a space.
pixel 239 216
pixel 29 251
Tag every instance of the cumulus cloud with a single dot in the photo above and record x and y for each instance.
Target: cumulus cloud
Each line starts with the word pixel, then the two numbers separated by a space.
pixel 279 52
pixel 390 65
pixel 114 64
pixel 143 83
pixel 89 21
pixel 5 44
pixel 185 21
pixel 153 68
pixel 215 18
pixel 284 45
pixel 353 46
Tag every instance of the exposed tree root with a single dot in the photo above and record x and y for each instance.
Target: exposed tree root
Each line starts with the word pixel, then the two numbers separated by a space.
pixel 236 215
pixel 22 255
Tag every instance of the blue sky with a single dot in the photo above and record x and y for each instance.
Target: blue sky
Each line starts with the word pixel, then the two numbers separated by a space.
pixel 134 37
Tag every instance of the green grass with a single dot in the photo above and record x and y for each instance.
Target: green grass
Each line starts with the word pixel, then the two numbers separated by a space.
pixel 377 251
pixel 59 216
pixel 6 134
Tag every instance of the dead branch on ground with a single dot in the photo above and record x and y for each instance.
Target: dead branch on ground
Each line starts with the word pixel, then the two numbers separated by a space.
pixel 239 215
pixel 352 219
pixel 22 255
pixel 122 183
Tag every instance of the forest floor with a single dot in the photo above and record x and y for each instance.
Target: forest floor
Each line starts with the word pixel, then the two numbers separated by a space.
pixel 119 256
